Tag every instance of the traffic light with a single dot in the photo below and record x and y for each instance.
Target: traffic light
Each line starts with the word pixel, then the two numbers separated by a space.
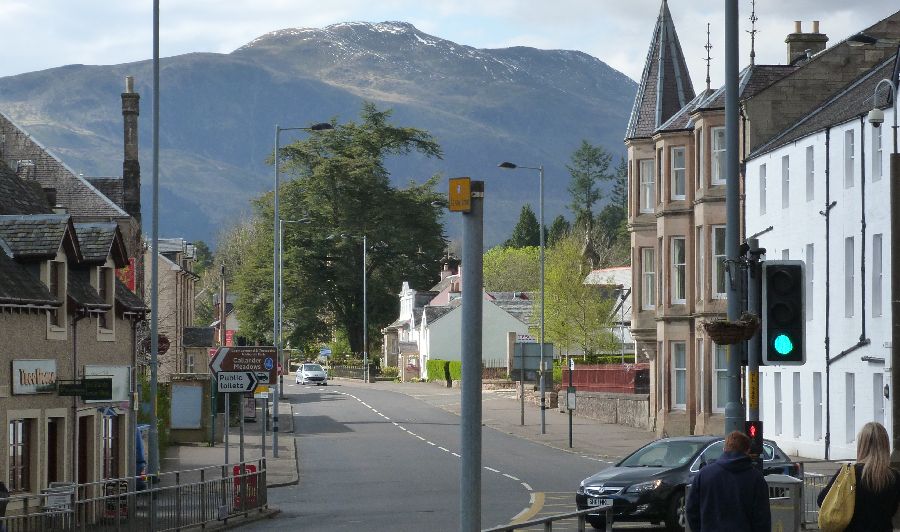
pixel 754 431
pixel 783 320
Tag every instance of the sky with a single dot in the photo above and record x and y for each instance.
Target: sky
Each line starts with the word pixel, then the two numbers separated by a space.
pixel 41 34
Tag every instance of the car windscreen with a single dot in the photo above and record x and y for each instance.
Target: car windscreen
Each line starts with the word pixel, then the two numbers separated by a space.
pixel 312 367
pixel 663 454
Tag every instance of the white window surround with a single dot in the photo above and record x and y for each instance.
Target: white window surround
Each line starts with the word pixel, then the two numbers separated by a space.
pixel 57 330
pixel 679 270
pixel 701 163
pixel 849 158
pixel 719 281
pixel 817 406
pixel 850 405
pixel 778 406
pixel 719 385
pixel 877 274
pixel 106 272
pixel 762 189
pixel 810 173
pixel 849 279
pixel 647 185
pixel 678 169
pixel 679 375
pixel 785 181
pixel 810 272
pixel 878 397
pixel 717 139
pixel 877 155
pixel 648 278
pixel 701 259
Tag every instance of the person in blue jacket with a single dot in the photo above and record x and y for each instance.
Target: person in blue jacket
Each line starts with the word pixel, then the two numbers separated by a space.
pixel 730 494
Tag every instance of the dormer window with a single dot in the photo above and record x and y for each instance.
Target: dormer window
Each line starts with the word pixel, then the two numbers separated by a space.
pixel 55 279
pixel 105 289
pixel 102 281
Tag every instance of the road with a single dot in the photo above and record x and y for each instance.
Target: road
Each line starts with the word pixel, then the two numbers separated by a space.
pixel 380 460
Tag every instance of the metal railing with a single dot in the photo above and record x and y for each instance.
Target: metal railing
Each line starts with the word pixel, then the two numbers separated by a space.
pixel 547 522
pixel 174 501
pixel 815 475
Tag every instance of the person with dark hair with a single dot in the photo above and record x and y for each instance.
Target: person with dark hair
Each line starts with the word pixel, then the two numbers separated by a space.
pixel 730 494
pixel 877 492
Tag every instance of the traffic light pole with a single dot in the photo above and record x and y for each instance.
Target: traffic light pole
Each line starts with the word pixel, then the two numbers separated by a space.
pixel 754 305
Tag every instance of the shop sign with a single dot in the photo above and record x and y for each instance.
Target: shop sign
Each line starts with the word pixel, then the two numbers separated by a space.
pixel 121 386
pixel 33 376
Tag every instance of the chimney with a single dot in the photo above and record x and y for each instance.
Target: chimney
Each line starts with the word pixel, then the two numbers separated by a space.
pixel 801 45
pixel 131 167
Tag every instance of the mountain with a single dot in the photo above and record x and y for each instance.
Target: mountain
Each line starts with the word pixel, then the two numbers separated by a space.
pixel 218 114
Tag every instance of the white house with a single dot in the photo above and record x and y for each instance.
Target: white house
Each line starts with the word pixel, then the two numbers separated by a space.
pixel 440 335
pixel 618 282
pixel 818 192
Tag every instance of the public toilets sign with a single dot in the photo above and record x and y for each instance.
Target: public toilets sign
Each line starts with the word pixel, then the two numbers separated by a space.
pixel 260 361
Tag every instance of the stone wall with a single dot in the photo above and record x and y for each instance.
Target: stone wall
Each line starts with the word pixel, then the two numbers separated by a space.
pixel 632 410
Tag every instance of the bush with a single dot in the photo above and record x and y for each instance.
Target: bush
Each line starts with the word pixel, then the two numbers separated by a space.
pixel 455 369
pixel 391 372
pixel 438 370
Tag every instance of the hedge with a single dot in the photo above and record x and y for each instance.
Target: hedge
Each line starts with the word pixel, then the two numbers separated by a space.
pixel 455 369
pixel 438 370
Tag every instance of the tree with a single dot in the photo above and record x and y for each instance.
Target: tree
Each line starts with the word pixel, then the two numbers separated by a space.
pixel 559 229
pixel 527 231
pixel 512 269
pixel 203 257
pixel 576 315
pixel 620 186
pixel 589 168
pixel 342 188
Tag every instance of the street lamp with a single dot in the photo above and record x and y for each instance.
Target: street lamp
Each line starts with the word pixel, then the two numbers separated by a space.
pixel 876 118
pixel 512 166
pixel 276 311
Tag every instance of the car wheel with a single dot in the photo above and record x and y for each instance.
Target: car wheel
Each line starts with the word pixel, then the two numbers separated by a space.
pixel 598 523
pixel 324 384
pixel 676 519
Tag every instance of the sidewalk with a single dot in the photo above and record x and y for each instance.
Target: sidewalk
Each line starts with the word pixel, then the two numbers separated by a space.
pixel 500 410
pixel 281 471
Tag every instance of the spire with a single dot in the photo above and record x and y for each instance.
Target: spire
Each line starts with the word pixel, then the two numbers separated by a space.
pixel 708 47
pixel 752 31
pixel 665 85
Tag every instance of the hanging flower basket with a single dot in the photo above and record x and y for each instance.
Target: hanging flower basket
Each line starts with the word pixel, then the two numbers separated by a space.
pixel 724 332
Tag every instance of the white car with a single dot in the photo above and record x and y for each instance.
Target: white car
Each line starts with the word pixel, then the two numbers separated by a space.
pixel 311 374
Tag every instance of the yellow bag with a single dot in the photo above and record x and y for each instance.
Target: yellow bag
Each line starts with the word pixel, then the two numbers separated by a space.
pixel 837 508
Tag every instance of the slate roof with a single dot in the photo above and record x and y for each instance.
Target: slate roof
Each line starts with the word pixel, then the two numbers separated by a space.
pixel 81 292
pixel 198 337
pixel 520 309
pixel 682 119
pixel 111 187
pixel 432 314
pixel 32 237
pixel 19 287
pixel 18 197
pixel 128 300
pixel 751 80
pixel 96 240
pixel 849 103
pixel 665 85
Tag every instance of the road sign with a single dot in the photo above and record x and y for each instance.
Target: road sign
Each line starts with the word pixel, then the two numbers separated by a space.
pixel 236 381
pixel 256 359
pixel 262 377
pixel 460 194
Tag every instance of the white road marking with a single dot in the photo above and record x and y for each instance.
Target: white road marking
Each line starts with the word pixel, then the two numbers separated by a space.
pixel 443 449
pixel 421 438
pixel 456 455
pixel 526 486
pixel 396 424
pixel 491 469
pixel 511 477
pixel 431 443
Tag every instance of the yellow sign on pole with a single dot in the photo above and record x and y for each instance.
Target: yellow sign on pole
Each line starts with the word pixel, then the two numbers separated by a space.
pixel 753 388
pixel 260 391
pixel 460 194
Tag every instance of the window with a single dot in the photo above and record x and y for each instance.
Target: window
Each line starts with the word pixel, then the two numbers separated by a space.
pixel 848 159
pixel 810 174
pixel 777 394
pixel 701 166
pixel 798 406
pixel 817 406
pixel 103 278
pixel 876 275
pixel 57 284
pixel 659 181
pixel 679 375
pixel 785 182
pixel 700 258
pixel 190 366
pixel 785 254
pixel 720 386
pixel 678 184
pixel 718 155
pixel 718 266
pixel 678 270
pixel 848 277
pixel 878 398
pixel 19 455
pixel 762 189
pixel 648 279
pixel 850 405
pixel 702 406
pixel 110 446
pixel 648 190
pixel 877 160
pixel 810 281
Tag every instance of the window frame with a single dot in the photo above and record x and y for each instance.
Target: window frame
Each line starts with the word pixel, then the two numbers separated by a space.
pixel 762 189
pixel 719 259
pixel 109 446
pixel 717 161
pixel 678 173
pixel 810 274
pixel 877 275
pixel 785 181
pixel 877 154
pixel 648 278
pixel 679 371
pixel 849 158
pixel 810 173
pixel 679 270
pixel 720 371
pixel 647 183
pixel 19 455
pixel 849 276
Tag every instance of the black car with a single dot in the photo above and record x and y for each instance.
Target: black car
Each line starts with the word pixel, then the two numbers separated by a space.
pixel 648 485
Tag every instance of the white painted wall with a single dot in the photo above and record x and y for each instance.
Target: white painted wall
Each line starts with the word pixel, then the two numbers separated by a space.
pixel 797 226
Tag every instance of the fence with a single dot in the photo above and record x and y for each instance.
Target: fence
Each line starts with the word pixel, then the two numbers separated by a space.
pixel 815 474
pixel 546 523
pixel 614 378
pixel 173 501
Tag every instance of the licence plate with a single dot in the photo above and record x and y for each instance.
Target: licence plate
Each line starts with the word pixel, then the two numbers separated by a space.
pixel 600 502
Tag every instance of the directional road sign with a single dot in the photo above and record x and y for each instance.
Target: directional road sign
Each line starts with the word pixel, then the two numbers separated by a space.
pixel 236 381
pixel 256 359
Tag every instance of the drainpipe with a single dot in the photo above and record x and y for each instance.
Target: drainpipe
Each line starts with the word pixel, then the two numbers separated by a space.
pixel 827 214
pixel 78 316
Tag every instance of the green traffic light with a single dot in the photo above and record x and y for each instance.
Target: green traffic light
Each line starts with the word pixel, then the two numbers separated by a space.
pixel 783 344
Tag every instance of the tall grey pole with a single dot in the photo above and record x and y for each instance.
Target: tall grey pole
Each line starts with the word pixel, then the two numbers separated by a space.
pixel 472 301
pixel 281 363
pixel 154 258
pixel 895 306
pixel 365 316
pixel 754 351
pixel 543 372
pixel 276 303
pixel 734 410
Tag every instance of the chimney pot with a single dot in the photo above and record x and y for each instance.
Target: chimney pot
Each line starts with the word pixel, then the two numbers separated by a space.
pixel 798 27
pixel 815 26
pixel 129 83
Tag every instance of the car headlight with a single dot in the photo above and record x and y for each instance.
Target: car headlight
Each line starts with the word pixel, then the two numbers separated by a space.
pixel 644 486
pixel 580 488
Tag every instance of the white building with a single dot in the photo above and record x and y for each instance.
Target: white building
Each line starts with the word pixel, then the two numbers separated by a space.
pixel 617 281
pixel 818 192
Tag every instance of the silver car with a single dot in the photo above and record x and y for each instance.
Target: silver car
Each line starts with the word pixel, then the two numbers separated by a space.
pixel 311 374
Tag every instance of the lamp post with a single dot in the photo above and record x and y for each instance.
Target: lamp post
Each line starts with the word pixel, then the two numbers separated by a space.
pixel 540 169
pixel 365 249
pixel 276 311
pixel 876 117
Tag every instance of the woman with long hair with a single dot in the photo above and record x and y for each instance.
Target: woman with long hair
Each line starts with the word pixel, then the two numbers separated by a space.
pixel 877 485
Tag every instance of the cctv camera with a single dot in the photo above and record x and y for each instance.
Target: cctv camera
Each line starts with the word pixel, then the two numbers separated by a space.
pixel 876 117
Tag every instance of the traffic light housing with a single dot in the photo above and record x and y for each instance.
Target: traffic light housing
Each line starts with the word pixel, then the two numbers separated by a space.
pixel 783 319
pixel 754 431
